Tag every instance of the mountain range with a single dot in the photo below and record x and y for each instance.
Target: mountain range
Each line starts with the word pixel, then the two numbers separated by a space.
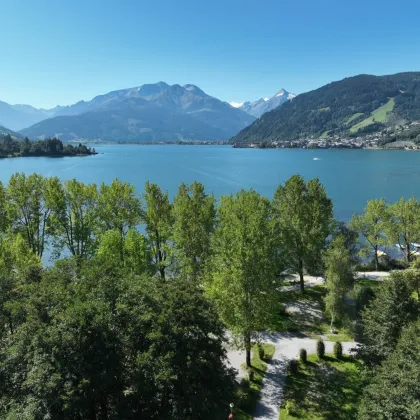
pixel 149 113
pixel 5 131
pixel 260 106
pixel 350 107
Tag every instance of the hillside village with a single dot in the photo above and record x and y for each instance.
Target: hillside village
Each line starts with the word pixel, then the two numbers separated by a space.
pixel 402 137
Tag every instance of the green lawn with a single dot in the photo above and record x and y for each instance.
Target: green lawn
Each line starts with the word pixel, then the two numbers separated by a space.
pixel 353 117
pixel 324 389
pixel 305 321
pixel 379 115
pixel 249 390
pixel 324 135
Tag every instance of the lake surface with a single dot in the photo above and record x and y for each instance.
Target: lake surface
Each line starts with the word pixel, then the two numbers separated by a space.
pixel 351 177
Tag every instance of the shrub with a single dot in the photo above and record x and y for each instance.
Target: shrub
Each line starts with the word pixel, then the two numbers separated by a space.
pixel 338 350
pixel 293 366
pixel 320 349
pixel 242 394
pixel 290 407
pixel 261 352
pixel 251 374
pixel 303 356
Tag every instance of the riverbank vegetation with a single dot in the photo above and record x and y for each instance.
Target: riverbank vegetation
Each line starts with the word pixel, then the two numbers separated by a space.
pixel 54 147
pixel 130 317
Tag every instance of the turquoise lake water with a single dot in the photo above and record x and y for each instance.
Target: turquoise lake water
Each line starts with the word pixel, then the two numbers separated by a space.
pixel 351 177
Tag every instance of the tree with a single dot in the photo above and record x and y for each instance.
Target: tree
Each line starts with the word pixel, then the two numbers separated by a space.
pixel 4 222
pixel 17 264
pixel 303 214
pixel 393 392
pixel 351 239
pixel 385 317
pixel 413 276
pixel 157 216
pixel 404 226
pixel 74 217
pixel 118 207
pixel 92 347
pixel 28 210
pixel 187 356
pixel 241 274
pixel 194 215
pixel 372 225
pixel 339 275
pixel 131 254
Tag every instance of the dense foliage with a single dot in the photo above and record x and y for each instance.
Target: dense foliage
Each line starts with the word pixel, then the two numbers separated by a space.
pixel 130 318
pixel 337 107
pixel 10 147
pixel 385 224
pixel 394 391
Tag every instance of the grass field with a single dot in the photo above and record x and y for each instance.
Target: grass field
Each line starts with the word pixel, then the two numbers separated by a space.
pixel 353 117
pixel 324 389
pixel 308 318
pixel 379 115
pixel 324 135
pixel 249 390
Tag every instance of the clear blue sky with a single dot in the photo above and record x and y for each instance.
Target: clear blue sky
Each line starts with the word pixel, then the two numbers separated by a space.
pixel 58 51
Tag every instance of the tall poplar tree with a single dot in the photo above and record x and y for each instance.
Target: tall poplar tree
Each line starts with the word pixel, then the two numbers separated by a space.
pixel 303 214
pixel 242 273
pixel 194 215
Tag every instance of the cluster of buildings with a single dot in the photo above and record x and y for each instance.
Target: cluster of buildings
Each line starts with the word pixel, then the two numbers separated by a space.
pixel 379 140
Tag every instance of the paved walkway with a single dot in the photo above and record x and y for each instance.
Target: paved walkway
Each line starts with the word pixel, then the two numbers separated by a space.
pixel 311 281
pixel 287 346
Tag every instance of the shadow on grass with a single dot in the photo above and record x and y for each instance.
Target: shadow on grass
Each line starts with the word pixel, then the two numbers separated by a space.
pixel 325 389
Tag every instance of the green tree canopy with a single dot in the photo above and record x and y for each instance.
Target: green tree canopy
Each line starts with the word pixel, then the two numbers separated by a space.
pixel 194 214
pixel 242 274
pixel 385 317
pixel 118 207
pixel 404 227
pixel 372 225
pixel 157 216
pixel 74 217
pixel 339 276
pixel 28 210
pixel 394 391
pixel 303 214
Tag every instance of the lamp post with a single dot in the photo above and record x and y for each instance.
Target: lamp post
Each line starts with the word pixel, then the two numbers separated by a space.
pixel 231 413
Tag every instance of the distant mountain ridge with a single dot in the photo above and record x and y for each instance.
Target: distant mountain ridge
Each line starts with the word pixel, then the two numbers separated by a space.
pixel 16 117
pixel 352 106
pixel 5 131
pixel 260 106
pixel 148 113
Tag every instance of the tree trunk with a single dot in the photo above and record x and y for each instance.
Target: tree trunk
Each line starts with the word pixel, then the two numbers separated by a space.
pixel 407 253
pixel 302 282
pixel 376 259
pixel 248 349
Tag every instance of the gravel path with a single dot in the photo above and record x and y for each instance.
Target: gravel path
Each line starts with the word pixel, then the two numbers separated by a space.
pixel 287 347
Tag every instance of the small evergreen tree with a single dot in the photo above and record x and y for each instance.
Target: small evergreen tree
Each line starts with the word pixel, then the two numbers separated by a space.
pixel 293 366
pixel 320 348
pixel 338 350
pixel 303 356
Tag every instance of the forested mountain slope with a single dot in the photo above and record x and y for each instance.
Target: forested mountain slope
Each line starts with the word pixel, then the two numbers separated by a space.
pixel 352 106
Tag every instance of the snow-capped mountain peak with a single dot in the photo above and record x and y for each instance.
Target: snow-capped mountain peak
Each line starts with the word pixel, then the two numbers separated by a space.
pixel 236 104
pixel 260 106
pixel 281 92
